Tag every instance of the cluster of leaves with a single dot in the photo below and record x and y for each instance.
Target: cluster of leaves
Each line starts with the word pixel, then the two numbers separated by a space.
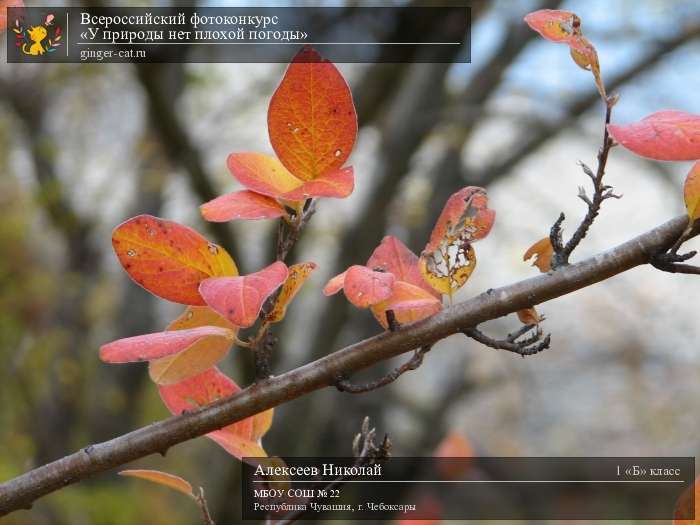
pixel 312 127
pixel 665 135
pixel 410 286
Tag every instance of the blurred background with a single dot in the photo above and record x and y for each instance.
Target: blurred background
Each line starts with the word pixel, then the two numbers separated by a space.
pixel 83 147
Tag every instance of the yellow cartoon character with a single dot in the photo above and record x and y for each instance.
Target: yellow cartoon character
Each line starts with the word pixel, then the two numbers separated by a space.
pixel 37 35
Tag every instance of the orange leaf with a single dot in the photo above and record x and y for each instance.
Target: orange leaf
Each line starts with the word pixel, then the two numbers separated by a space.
pixel 335 183
pixel 454 445
pixel 262 174
pixel 162 478
pixel 245 205
pixel 554 25
pixel 239 299
pixel 364 287
pixel 195 316
pixel 586 57
pixel 161 344
pixel 691 192
pixel 239 439
pixel 311 118
pixel 529 316
pixel 542 251
pixel 394 257
pixel 409 304
pixel 169 259
pixel 688 504
pixel 664 135
pixel 298 273
pixel 466 217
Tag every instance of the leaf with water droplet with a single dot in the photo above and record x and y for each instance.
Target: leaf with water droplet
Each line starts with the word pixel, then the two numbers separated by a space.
pixel 245 205
pixel 365 287
pixel 240 299
pixel 172 261
pixel 313 99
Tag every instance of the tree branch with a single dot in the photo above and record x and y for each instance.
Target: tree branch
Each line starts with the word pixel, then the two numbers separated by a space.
pixel 158 437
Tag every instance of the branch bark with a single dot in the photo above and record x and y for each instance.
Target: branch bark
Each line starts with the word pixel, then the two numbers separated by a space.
pixel 158 437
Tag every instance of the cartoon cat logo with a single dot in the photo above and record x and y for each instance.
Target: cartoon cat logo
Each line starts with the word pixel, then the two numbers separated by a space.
pixel 38 40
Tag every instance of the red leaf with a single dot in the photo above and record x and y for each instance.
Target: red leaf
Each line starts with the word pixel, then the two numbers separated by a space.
pixel 169 259
pixel 394 257
pixel 664 135
pixel 246 205
pixel 239 299
pixel 311 118
pixel 240 439
pixel 161 344
pixel 336 183
pixel 364 287
pixel 554 25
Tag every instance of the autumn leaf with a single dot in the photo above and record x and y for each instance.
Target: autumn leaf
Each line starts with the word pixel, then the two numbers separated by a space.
pixel 449 273
pixel 195 316
pixel 153 346
pixel 168 259
pixel 691 192
pixel 394 257
pixel 240 439
pixel 409 304
pixel 365 287
pixel 161 478
pixel 246 205
pixel 688 505
pixel 454 445
pixel 267 176
pixel 664 135
pixel 311 118
pixel 335 284
pixel 542 251
pixel 239 299
pixel 298 273
pixel 554 25
pixel 529 316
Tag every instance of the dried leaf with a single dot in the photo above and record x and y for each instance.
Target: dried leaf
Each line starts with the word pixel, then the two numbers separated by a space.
pixel 240 439
pixel 664 135
pixel 447 275
pixel 311 118
pixel 239 299
pixel 162 478
pixel 691 192
pixel 245 205
pixel 298 273
pixel 542 251
pixel 393 256
pixel 529 316
pixel 168 259
pixel 154 346
pixel 364 287
pixel 409 304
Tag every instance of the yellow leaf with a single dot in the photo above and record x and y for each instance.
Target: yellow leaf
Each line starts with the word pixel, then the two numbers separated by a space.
pixel 691 192
pixel 298 273
pixel 446 272
pixel 162 478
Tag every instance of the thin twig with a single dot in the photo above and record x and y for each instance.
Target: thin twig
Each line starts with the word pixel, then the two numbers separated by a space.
pixel 202 502
pixel 601 192
pixel 670 260
pixel 533 344
pixel 344 385
pixel 366 452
